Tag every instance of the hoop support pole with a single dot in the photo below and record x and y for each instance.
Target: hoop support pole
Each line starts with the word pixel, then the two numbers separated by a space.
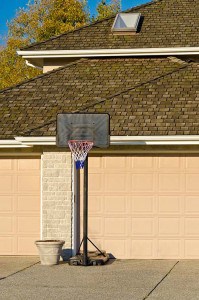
pixel 85 215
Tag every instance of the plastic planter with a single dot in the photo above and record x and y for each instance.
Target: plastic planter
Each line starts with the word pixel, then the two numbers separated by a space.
pixel 49 251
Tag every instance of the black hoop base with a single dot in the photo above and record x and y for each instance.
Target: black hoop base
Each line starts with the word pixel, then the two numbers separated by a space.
pixel 92 258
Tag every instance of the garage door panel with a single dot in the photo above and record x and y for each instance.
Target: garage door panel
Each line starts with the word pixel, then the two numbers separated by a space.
pixel 19 205
pixel 28 165
pixel 28 183
pixel 171 163
pixel 170 182
pixel 192 163
pixel 28 224
pixel 112 163
pixel 145 163
pixel 6 204
pixel 6 245
pixel 26 245
pixel 95 182
pixel 169 226
pixel 27 203
pixel 143 226
pixel 142 249
pixel 115 182
pixel 191 204
pixel 192 183
pixel 115 226
pixel 191 226
pixel 142 204
pixel 95 205
pixel 6 224
pixel 95 163
pixel 95 226
pixel 6 164
pixel 120 246
pixel 170 204
pixel 115 204
pixel 169 249
pixel 6 183
pixel 148 202
pixel 191 248
pixel 142 182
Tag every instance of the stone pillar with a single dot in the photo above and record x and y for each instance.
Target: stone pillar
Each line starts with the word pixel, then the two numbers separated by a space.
pixel 57 198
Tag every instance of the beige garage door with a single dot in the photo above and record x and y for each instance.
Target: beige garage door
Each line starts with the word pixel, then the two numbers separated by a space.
pixel 145 206
pixel 19 206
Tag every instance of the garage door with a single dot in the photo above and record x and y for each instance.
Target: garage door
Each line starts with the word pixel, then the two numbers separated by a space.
pixel 19 206
pixel 145 206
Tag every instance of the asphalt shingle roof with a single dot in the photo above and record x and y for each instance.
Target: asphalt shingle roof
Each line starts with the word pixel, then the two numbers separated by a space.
pixel 144 96
pixel 164 23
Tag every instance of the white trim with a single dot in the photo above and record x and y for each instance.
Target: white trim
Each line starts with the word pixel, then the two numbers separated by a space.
pixel 11 144
pixel 109 52
pixel 25 142
pixel 123 140
pixel 41 197
pixel 33 66
pixel 30 141
pixel 155 140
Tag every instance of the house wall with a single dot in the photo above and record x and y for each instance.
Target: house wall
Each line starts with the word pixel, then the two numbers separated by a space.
pixel 57 198
pixel 50 64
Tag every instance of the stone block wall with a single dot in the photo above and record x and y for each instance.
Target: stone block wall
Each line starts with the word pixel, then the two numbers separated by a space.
pixel 57 197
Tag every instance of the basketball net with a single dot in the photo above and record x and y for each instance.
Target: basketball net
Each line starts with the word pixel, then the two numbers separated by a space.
pixel 79 150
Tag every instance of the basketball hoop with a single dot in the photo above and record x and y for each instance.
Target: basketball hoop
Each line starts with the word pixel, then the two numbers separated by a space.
pixel 80 132
pixel 79 151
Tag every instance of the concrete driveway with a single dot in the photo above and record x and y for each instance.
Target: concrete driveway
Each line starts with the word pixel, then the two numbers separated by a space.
pixel 121 279
pixel 10 265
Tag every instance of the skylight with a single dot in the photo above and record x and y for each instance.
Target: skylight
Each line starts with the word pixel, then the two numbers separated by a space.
pixel 126 22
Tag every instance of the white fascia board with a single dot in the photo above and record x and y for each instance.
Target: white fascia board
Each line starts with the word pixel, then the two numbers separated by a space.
pixel 122 140
pixel 155 140
pixel 12 144
pixel 46 140
pixel 109 52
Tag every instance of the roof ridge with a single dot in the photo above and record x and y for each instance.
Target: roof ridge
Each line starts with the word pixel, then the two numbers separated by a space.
pixel 44 74
pixel 91 24
pixel 183 66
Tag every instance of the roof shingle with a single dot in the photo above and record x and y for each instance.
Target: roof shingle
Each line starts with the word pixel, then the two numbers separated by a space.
pixel 151 96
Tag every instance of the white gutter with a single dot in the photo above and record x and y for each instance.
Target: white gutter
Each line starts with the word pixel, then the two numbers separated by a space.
pixel 122 140
pixel 30 141
pixel 11 144
pixel 33 66
pixel 155 140
pixel 109 52
pixel 24 142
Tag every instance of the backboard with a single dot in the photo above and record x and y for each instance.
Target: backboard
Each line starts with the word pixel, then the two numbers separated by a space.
pixel 85 127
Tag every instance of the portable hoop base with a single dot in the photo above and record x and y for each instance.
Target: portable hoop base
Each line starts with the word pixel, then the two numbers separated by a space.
pixel 95 258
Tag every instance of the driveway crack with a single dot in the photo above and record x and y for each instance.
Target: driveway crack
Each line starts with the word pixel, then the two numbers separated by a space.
pixel 21 270
pixel 160 281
